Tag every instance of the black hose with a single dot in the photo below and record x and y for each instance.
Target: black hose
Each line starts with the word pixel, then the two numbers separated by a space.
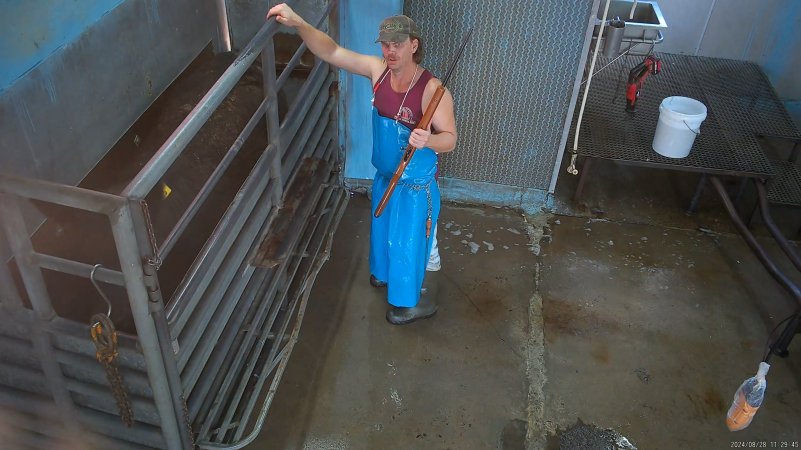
pixel 774 230
pixel 760 253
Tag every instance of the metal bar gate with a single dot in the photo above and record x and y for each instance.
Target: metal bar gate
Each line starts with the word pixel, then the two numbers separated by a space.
pixel 203 366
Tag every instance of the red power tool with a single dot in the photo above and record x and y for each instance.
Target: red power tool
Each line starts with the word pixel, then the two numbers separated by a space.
pixel 651 65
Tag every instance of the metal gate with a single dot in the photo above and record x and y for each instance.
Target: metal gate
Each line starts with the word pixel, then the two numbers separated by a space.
pixel 204 364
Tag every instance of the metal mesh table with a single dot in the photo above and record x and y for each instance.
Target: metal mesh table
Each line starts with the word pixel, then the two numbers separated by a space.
pixel 741 105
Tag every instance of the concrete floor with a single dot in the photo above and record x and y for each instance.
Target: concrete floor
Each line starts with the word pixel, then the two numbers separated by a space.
pixel 455 381
pixel 616 313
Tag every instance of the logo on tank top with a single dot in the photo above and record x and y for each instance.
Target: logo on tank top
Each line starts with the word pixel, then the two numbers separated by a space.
pixel 406 115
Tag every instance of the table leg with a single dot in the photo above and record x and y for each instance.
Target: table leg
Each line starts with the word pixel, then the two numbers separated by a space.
pixel 740 191
pixel 585 169
pixel 697 195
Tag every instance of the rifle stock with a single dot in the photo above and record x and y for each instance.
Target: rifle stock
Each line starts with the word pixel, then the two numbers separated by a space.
pixel 425 121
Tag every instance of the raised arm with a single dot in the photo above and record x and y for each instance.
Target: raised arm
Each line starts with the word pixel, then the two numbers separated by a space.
pixel 325 48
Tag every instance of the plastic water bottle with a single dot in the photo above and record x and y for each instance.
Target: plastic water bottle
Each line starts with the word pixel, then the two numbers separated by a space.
pixel 748 399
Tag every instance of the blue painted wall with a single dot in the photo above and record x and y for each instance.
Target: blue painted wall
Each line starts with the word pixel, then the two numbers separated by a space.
pixel 359 22
pixel 765 32
pixel 30 31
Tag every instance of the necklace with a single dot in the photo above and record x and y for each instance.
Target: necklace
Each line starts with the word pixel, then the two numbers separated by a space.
pixel 411 83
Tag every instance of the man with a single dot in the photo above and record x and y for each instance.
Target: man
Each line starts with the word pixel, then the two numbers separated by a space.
pixel 401 239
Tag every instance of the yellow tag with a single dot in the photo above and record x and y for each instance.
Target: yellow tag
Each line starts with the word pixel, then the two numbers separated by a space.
pixel 165 190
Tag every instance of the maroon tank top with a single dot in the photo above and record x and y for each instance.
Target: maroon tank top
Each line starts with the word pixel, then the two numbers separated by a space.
pixel 388 102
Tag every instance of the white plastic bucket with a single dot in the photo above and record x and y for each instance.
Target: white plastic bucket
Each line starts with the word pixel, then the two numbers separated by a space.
pixel 679 122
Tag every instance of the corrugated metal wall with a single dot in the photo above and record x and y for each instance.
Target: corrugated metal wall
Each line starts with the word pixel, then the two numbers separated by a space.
pixel 513 87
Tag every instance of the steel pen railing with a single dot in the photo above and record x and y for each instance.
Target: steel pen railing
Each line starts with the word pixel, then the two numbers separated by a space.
pixel 189 370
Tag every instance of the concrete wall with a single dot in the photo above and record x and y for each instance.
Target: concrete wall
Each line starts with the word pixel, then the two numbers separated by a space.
pixel 32 31
pixel 245 17
pixel 76 75
pixel 360 20
pixel 764 31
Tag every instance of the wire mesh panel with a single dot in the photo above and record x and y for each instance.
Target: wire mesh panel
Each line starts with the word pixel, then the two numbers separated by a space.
pixel 513 86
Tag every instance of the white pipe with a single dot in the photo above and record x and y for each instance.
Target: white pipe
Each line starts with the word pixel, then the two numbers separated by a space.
pixel 633 7
pixel 572 168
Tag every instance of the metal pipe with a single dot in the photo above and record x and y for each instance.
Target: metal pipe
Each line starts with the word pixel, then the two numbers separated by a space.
pixel 200 198
pixel 329 148
pixel 310 124
pixel 173 379
pixel 111 427
pixel 244 359
pixel 284 357
pixel 223 31
pixel 306 96
pixel 278 303
pixel 760 253
pixel 771 225
pixel 77 268
pixel 322 130
pixel 157 166
pixel 267 307
pixel 272 121
pixel 9 296
pixel 222 362
pixel 80 367
pixel 253 356
pixel 155 306
pixel 21 247
pixel 26 423
pixel 207 261
pixel 224 292
pixel 100 398
pixel 60 194
pixel 218 245
pixel 55 379
pixel 122 227
pixel 290 66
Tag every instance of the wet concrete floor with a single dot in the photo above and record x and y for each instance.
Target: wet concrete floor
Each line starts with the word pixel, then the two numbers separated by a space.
pixel 618 317
pixel 457 380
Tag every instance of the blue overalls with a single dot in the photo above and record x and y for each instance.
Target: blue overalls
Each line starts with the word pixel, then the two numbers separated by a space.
pixel 399 248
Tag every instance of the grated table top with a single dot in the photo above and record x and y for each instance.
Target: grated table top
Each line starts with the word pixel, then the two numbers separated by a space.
pixel 740 105
pixel 785 187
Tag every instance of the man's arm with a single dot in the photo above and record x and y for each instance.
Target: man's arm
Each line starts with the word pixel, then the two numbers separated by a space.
pixel 443 121
pixel 325 48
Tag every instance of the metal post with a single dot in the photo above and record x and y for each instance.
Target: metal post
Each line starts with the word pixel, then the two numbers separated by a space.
pixel 9 296
pixel 156 306
pixel 699 190
pixel 122 227
pixel 273 125
pixel 222 43
pixel 20 243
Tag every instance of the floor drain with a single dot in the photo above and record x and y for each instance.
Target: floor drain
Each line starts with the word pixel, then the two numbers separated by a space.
pixel 583 436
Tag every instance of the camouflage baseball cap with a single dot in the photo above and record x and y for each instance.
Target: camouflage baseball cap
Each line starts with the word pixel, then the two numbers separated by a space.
pixel 397 29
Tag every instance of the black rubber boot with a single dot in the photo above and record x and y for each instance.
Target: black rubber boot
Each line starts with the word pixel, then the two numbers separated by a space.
pixel 426 306
pixel 374 282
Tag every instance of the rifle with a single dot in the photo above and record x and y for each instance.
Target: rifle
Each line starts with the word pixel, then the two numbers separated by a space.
pixel 424 122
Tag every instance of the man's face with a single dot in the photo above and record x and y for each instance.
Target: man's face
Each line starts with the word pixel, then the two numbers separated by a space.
pixel 398 54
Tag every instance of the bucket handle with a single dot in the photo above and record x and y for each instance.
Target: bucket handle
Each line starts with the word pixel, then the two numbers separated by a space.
pixel 694 131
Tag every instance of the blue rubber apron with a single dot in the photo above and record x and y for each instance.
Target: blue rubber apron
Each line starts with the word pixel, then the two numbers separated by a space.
pixel 399 248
